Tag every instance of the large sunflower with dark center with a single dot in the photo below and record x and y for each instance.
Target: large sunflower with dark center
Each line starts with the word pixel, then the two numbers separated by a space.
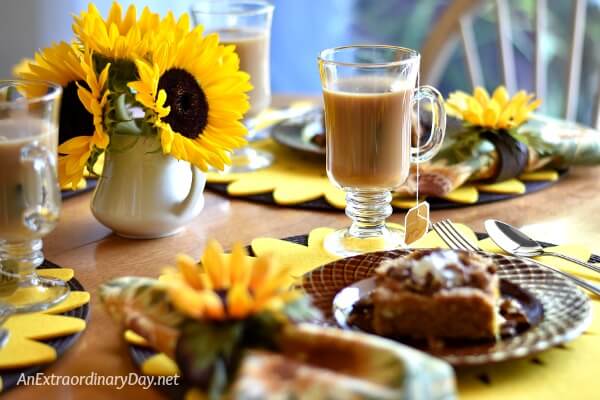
pixel 75 120
pixel 189 107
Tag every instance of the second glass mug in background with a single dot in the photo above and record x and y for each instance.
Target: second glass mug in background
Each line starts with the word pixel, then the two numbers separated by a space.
pixel 247 25
pixel 369 94
pixel 29 192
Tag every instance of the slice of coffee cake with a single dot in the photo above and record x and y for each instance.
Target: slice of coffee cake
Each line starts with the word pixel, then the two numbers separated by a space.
pixel 437 294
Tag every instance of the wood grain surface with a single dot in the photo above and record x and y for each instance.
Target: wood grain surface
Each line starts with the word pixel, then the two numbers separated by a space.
pixel 566 212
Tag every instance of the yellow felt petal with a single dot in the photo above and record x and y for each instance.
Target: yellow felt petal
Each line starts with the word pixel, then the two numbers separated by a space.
pixel 290 254
pixel 217 177
pixel 30 294
pixel 21 352
pixel 245 187
pixel 160 365
pixel 135 339
pixel 293 178
pixel 74 300
pixel 64 274
pixel 336 197
pixel 292 193
pixel 466 194
pixel 316 236
pixel 365 245
pixel 526 379
pixel 510 186
pixel 488 244
pixel 541 175
pixel 404 202
pixel 43 326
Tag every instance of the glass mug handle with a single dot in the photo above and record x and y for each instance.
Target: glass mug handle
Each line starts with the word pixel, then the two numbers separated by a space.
pixel 41 193
pixel 425 152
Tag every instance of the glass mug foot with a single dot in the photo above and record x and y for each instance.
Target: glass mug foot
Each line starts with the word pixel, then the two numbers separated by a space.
pixel 35 294
pixel 342 243
pixel 248 159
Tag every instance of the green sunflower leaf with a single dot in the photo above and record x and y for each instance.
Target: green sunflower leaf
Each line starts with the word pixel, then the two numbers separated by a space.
pixel 208 353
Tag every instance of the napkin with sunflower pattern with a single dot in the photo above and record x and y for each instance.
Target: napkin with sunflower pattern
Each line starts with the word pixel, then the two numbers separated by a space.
pixel 500 143
pixel 231 326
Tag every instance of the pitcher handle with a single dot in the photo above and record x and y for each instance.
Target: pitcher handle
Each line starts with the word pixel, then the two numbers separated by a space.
pixel 421 153
pixel 195 195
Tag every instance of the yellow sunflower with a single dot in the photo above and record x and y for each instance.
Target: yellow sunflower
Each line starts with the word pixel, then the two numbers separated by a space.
pixel 196 97
pixel 168 29
pixel 120 36
pixel 496 112
pixel 81 108
pixel 75 153
pixel 228 287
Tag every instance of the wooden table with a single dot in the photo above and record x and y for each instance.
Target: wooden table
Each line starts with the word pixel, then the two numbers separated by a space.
pixel 566 212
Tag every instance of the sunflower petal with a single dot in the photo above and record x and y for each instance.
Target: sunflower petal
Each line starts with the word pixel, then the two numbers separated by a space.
pixel 482 96
pixel 189 270
pixel 239 301
pixel 214 265
pixel 501 96
pixel 213 306
pixel 240 269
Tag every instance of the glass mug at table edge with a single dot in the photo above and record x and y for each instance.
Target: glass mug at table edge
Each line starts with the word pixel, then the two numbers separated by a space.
pixel 247 25
pixel 30 196
pixel 369 94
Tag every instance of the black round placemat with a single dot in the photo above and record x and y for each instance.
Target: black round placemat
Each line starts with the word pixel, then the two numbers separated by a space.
pixel 139 354
pixel 10 377
pixel 434 203
pixel 90 184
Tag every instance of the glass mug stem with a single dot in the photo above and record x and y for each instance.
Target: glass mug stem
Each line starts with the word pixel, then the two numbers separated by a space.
pixel 19 260
pixel 368 211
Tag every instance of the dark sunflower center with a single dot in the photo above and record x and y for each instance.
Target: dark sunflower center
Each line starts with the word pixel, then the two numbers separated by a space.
pixel 75 120
pixel 189 107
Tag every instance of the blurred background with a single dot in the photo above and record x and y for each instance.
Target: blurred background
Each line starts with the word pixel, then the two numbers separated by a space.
pixel 301 28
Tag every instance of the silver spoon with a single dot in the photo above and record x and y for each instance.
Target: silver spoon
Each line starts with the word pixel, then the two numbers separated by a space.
pixel 515 242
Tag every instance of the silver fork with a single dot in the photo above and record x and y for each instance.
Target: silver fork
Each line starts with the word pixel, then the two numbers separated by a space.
pixel 452 237
pixel 456 240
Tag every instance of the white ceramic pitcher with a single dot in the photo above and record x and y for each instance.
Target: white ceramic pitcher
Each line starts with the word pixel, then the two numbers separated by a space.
pixel 144 194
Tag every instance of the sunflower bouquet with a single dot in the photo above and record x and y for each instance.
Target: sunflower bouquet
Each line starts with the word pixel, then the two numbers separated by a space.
pixel 143 76
pixel 235 329
pixel 493 138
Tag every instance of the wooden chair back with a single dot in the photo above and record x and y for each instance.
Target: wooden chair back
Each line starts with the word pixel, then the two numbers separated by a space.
pixel 455 27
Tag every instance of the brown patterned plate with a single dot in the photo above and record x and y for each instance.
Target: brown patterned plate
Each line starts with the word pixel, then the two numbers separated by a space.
pixel 566 309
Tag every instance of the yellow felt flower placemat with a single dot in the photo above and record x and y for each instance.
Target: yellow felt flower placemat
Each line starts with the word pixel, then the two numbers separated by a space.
pixel 552 374
pixel 297 179
pixel 24 347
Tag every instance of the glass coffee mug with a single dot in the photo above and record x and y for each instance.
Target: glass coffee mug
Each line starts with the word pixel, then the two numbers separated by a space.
pixel 29 192
pixel 370 93
pixel 247 25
